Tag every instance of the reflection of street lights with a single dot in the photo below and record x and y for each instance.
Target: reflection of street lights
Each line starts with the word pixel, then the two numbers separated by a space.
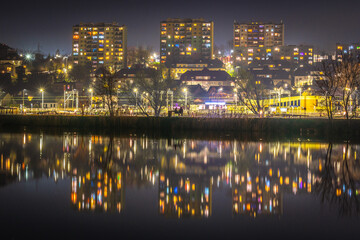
pixel 91 97
pixel 42 98
pixel 185 91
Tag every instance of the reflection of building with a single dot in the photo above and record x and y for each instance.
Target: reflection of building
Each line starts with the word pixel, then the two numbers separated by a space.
pixel 259 174
pixel 184 195
pixel 98 190
pixel 100 44
pixel 276 169
pixel 256 196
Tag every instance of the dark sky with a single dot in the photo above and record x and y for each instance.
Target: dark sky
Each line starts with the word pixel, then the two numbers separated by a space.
pixel 321 23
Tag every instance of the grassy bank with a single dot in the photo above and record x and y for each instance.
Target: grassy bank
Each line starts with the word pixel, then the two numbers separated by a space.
pixel 254 128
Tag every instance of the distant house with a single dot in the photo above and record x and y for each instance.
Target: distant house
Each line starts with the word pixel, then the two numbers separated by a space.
pixel 9 60
pixel 222 94
pixel 305 76
pixel 197 94
pixel 178 69
pixel 130 74
pixel 207 78
pixel 275 75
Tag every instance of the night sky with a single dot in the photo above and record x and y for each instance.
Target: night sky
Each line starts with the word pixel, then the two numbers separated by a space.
pixel 321 23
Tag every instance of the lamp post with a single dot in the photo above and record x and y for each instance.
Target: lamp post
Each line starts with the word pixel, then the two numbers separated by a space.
pixel 42 98
pixel 185 91
pixel 23 100
pixel 235 96
pixel 91 97
pixel 299 89
pixel 135 91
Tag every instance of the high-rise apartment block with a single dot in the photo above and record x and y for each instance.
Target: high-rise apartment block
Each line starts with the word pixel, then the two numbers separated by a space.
pixel 186 40
pixel 256 34
pixel 101 44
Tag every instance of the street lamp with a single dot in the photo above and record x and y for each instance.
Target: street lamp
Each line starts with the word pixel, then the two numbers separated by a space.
pixel 185 91
pixel 235 95
pixel 299 90
pixel 135 91
pixel 23 100
pixel 42 98
pixel 91 97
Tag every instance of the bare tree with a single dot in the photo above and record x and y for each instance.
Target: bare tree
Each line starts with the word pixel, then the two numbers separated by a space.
pixel 139 55
pixel 252 93
pixel 349 77
pixel 327 82
pixel 106 86
pixel 150 89
pixel 338 80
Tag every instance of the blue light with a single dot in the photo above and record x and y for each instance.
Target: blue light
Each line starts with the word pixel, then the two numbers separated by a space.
pixel 214 103
pixel 206 191
pixel 268 183
pixel 176 190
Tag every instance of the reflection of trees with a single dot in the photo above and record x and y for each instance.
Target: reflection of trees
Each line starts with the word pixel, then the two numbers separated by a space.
pixel 338 181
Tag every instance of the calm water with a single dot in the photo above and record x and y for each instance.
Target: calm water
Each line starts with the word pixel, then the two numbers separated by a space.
pixel 90 186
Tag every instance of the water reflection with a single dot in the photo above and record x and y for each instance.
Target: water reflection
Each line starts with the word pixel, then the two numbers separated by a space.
pixel 338 178
pixel 185 172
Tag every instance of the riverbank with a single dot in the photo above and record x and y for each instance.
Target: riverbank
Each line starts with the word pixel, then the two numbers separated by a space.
pixel 252 128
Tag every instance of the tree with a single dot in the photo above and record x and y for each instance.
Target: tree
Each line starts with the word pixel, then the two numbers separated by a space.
pixel 251 93
pixel 349 78
pixel 81 73
pixel 328 84
pixel 338 80
pixel 150 88
pixel 106 86
pixel 138 56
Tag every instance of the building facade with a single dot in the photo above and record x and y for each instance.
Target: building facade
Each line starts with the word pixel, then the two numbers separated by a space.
pixel 257 34
pixel 177 69
pixel 207 78
pixel 100 44
pixel 352 50
pixel 183 40
pixel 298 54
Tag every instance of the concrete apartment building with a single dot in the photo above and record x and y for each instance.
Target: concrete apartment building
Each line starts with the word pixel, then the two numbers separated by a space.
pixel 184 40
pixel 101 44
pixel 257 34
